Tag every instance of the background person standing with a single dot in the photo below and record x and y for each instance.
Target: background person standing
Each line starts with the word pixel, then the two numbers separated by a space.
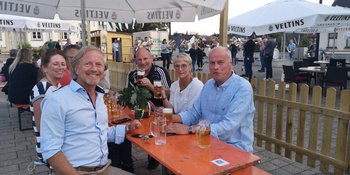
pixel 248 48
pixel 116 47
pixel 291 49
pixel 269 48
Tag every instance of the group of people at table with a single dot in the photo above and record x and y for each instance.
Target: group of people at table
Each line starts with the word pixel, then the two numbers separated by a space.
pixel 71 122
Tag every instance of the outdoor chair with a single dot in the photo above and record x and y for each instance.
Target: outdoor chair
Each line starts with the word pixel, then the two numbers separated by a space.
pixel 335 76
pixel 336 63
pixel 290 77
pixel 311 61
pixel 297 65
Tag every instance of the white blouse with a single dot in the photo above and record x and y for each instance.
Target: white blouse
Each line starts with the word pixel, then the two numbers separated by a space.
pixel 182 101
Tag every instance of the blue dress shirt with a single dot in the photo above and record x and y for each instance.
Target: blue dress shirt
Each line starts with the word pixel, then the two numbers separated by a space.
pixel 230 109
pixel 71 124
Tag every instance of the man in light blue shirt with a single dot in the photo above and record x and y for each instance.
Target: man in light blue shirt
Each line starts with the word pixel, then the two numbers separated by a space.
pixel 226 100
pixel 74 123
pixel 291 49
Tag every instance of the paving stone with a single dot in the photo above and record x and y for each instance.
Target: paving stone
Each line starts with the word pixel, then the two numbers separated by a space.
pixel 13 149
pixel 267 166
pixel 14 161
pixel 7 156
pixel 280 171
pixel 9 168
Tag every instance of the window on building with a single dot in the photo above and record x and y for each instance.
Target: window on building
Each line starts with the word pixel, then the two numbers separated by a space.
pixel 1 35
pixel 332 41
pixel 348 43
pixel 36 36
pixel 65 35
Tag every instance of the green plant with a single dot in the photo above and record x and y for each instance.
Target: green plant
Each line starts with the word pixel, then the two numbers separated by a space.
pixel 25 45
pixel 134 96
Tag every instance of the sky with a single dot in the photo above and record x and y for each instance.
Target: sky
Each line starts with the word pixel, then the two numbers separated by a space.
pixel 211 25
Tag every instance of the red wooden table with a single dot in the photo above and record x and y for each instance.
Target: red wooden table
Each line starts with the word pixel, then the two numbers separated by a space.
pixel 181 154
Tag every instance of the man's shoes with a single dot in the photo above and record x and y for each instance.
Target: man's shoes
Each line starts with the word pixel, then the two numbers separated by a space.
pixel 261 70
pixel 152 164
pixel 267 79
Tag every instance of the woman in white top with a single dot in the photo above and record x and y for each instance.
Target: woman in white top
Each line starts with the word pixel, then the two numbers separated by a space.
pixel 185 91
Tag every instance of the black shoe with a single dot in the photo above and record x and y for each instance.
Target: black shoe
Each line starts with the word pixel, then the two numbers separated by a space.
pixel 128 168
pixel 152 164
pixel 261 70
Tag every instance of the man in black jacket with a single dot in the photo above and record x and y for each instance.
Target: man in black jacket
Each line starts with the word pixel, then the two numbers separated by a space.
pixel 269 47
pixel 249 47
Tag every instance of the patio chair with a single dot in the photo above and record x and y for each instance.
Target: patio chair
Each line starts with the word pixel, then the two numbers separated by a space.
pixel 311 61
pixel 335 76
pixel 336 63
pixel 290 77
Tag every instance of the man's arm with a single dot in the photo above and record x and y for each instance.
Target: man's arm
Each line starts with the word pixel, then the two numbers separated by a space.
pixel 61 165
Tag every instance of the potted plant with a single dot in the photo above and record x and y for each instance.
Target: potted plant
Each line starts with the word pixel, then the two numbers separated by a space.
pixel 136 98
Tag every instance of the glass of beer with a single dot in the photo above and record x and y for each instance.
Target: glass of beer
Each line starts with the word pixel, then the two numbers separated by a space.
pixel 203 133
pixel 115 108
pixel 157 93
pixel 168 114
pixel 140 76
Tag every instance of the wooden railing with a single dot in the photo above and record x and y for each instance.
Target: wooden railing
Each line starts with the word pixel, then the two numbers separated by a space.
pixel 288 125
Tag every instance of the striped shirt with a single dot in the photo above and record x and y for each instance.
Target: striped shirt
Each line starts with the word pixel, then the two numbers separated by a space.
pixel 40 90
pixel 155 73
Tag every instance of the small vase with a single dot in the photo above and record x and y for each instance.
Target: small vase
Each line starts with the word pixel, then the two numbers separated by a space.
pixel 139 113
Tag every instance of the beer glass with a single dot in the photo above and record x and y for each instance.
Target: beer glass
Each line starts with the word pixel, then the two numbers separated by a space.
pixel 157 93
pixel 203 133
pixel 168 114
pixel 158 128
pixel 140 76
pixel 115 108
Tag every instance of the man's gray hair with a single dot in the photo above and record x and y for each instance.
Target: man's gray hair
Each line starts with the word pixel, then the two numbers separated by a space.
pixel 228 52
pixel 76 59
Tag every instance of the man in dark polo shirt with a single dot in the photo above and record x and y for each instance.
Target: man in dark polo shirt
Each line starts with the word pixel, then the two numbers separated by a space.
pixel 152 72
pixel 248 48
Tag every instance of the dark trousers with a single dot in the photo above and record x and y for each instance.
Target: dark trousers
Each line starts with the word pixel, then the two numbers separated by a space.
pixel 268 63
pixel 120 154
pixel 166 59
pixel 200 61
pixel 248 68
pixel 262 60
pixel 234 57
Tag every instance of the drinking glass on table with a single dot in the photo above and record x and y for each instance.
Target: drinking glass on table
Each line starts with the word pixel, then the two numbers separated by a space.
pixel 158 129
pixel 168 114
pixel 203 133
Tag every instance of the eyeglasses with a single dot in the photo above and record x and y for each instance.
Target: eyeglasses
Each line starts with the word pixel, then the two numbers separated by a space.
pixel 183 66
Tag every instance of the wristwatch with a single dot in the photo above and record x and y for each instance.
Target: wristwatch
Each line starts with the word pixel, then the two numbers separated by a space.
pixel 190 129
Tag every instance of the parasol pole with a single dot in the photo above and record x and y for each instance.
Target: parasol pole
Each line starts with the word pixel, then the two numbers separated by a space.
pixel 335 29
pixel 83 25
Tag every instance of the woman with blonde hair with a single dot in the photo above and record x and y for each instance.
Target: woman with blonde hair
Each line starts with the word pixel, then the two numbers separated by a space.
pixel 185 91
pixel 23 76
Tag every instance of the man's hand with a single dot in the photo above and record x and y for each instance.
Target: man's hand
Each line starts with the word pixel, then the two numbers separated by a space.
pixel 135 125
pixel 145 82
pixel 178 128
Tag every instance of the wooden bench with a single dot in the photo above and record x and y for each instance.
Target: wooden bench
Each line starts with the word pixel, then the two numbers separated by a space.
pixel 22 108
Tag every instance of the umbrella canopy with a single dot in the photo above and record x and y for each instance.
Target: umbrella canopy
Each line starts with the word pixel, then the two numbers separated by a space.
pixel 122 11
pixel 27 24
pixel 277 17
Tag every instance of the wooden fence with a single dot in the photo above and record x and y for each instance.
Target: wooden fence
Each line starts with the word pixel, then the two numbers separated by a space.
pixel 301 130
